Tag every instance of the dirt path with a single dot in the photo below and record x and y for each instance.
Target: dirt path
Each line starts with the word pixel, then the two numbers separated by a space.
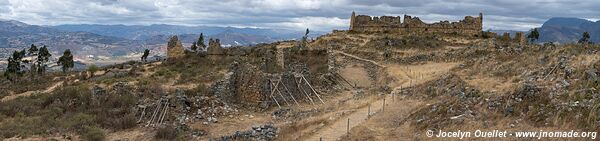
pixel 358 58
pixel 338 129
pixel 28 93
pixel 403 76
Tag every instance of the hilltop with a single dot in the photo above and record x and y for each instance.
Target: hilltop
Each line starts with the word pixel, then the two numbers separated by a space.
pixel 376 81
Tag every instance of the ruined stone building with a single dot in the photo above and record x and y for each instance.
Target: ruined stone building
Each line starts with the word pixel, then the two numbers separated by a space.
pixel 174 48
pixel 520 38
pixel 214 47
pixel 471 26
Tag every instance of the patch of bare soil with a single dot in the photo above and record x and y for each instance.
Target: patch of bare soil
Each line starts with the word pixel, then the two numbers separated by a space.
pixel 28 93
pixel 409 75
pixel 356 74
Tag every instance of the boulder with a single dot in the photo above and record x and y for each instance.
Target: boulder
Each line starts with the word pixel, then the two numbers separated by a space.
pixel 592 75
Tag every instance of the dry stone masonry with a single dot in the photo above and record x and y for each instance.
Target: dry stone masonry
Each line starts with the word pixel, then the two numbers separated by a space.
pixel 470 26
pixel 214 47
pixel 174 48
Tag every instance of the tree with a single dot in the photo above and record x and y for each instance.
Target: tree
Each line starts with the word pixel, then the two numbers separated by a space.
pixel 42 58
pixel 92 69
pixel 66 60
pixel 194 47
pixel 307 31
pixel 145 55
pixel 585 38
pixel 534 35
pixel 33 50
pixel 200 42
pixel 14 67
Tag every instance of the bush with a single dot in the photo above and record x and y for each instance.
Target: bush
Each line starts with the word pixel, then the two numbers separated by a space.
pixel 166 132
pixel 93 134
pixel 92 69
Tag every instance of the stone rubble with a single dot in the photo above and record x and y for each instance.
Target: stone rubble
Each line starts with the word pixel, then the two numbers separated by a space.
pixel 265 132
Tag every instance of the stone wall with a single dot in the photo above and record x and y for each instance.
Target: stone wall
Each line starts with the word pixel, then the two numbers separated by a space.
pixel 520 38
pixel 363 23
pixel 214 47
pixel 174 48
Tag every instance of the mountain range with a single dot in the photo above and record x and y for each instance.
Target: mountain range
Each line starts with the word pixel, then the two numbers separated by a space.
pixel 122 40
pixel 568 30
pixel 562 30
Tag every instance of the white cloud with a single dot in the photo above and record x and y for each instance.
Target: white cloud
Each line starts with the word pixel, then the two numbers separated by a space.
pixel 314 23
pixel 316 14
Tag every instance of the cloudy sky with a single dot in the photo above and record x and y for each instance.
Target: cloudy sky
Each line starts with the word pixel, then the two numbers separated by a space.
pixel 321 15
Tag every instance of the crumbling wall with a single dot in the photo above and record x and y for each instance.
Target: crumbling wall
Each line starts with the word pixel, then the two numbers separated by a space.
pixel 363 23
pixel 316 60
pixel 214 47
pixel 242 84
pixel 520 38
pixel 174 48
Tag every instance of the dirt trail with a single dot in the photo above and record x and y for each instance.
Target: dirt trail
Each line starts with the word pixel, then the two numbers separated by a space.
pixel 358 58
pixel 28 93
pixel 403 76
pixel 338 129
pixel 409 75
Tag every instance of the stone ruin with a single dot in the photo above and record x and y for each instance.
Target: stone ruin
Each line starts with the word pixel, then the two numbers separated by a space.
pixel 214 47
pixel 174 48
pixel 519 38
pixel 470 26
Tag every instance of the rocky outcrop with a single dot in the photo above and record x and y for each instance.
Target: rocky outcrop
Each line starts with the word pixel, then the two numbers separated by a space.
pixel 174 48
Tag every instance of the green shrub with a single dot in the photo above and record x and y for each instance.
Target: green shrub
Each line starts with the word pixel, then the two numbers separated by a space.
pixel 80 121
pixel 93 134
pixel 166 132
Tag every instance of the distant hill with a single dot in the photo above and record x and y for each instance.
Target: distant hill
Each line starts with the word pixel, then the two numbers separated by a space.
pixel 141 32
pixel 567 30
pixel 226 38
pixel 122 40
pixel 15 34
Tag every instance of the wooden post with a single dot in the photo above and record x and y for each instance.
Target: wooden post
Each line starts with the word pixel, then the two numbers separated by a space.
pixel 340 76
pixel 383 107
pixel 288 91
pixel 369 111
pixel 276 88
pixel 276 102
pixel 312 89
pixel 142 116
pixel 156 110
pixel 273 91
pixel 348 127
pixel 306 94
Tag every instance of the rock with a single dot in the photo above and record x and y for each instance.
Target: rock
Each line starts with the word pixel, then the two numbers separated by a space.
pixel 565 83
pixel 281 112
pixel 174 48
pixel 98 91
pixel 259 133
pixel 198 133
pixel 563 62
pixel 212 119
pixel 592 75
